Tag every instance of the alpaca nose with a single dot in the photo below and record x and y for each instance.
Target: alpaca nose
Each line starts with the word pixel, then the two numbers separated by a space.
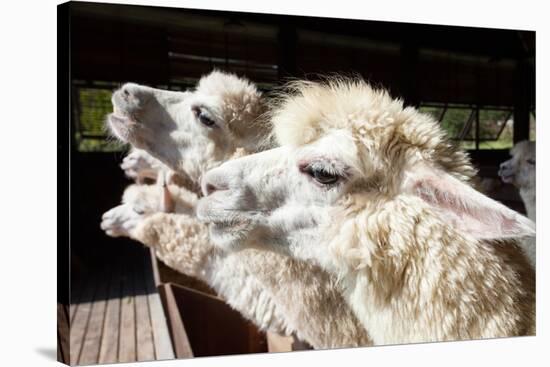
pixel 131 98
pixel 139 93
pixel 503 168
pixel 214 180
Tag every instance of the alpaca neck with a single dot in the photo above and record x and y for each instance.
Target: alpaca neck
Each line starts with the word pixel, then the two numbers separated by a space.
pixel 528 196
pixel 228 274
pixel 383 322
pixel 426 282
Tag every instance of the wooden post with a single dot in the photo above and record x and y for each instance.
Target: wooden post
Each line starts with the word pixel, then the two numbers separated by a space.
pixel 477 136
pixel 288 39
pixel 407 82
pixel 522 100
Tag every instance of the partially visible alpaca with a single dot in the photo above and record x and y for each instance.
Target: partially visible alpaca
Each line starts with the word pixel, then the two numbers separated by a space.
pixel 520 171
pixel 194 131
pixel 146 169
pixel 377 196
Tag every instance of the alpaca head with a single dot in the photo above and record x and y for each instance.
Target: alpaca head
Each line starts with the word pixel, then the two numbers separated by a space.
pixel 354 169
pixel 520 170
pixel 189 131
pixel 140 202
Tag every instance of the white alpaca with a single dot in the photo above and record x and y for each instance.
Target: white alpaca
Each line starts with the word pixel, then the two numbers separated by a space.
pixel 376 195
pixel 520 171
pixel 205 128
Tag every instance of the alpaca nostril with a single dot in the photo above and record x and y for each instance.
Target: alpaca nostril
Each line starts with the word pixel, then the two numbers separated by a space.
pixel 210 189
pixel 212 183
pixel 215 180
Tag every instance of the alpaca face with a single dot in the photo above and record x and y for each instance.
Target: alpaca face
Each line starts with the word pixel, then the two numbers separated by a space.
pixel 520 170
pixel 188 131
pixel 138 203
pixel 141 201
pixel 121 220
pixel 342 170
pixel 281 198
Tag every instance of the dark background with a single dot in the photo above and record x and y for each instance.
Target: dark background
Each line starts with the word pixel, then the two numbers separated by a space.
pixel 426 65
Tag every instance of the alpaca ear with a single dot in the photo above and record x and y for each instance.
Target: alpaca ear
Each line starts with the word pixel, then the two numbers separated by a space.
pixel 464 208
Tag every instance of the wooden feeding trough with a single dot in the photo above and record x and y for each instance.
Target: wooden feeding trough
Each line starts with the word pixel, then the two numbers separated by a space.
pixel 203 324
pixel 200 322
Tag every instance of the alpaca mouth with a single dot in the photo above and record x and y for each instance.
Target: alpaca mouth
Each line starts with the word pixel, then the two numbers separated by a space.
pixel 507 178
pixel 120 126
pixel 220 217
pixel 126 129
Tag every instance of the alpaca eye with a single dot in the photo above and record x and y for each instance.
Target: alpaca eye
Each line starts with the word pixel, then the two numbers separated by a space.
pixel 203 117
pixel 139 211
pixel 531 162
pixel 205 120
pixel 323 177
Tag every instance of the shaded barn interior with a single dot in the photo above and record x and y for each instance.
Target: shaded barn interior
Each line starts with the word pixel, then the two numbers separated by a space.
pixel 483 76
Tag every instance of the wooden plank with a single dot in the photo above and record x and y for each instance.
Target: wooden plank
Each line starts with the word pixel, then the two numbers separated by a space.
pixel 60 357
pixel 161 337
pixel 182 346
pixel 155 267
pixel 80 322
pixel 76 293
pixel 63 333
pixel 108 351
pixel 144 333
pixel 278 343
pixel 127 339
pixel 94 331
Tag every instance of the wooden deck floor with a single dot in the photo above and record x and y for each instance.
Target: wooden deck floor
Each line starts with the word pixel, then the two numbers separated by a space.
pixel 116 314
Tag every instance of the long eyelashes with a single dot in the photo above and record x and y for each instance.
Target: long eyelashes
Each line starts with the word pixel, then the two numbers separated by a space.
pixel 139 211
pixel 326 175
pixel 203 116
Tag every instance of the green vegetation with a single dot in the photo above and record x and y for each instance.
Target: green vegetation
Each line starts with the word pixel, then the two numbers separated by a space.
pixel 93 106
pixel 105 144
pixel 491 122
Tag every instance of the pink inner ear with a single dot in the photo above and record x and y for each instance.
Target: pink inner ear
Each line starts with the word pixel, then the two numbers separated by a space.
pixel 467 210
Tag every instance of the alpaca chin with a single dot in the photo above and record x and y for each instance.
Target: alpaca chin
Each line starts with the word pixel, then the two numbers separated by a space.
pixel 121 127
pixel 226 237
